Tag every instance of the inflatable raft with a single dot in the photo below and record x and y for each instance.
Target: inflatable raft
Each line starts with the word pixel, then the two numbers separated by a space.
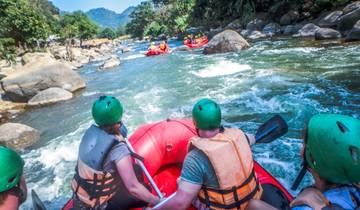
pixel 163 145
pixel 197 43
pixel 157 51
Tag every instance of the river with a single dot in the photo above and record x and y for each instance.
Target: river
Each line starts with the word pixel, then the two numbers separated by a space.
pixel 293 78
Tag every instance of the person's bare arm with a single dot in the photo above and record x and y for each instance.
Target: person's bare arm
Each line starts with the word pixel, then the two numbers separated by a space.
pixel 185 194
pixel 135 188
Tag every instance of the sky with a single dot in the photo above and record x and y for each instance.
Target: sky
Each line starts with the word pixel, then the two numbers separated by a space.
pixel 85 5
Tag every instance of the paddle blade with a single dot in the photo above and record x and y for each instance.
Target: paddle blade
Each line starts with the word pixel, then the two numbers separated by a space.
pixel 271 130
pixel 37 203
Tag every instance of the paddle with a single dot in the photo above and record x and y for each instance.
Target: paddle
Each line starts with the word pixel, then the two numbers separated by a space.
pixel 299 177
pixel 266 133
pixel 147 174
pixel 37 203
pixel 271 130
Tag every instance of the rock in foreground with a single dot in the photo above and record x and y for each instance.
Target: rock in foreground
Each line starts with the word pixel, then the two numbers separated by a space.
pixel 50 96
pixel 18 136
pixel 226 41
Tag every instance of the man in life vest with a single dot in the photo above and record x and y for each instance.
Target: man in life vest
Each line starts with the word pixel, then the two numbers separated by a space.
pixel 218 172
pixel 104 175
pixel 331 150
pixel 13 190
pixel 163 46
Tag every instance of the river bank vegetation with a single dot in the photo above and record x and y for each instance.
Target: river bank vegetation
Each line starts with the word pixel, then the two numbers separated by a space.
pixel 174 17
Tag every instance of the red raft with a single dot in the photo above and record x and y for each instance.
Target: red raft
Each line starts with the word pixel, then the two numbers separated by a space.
pixel 163 145
pixel 199 42
pixel 157 51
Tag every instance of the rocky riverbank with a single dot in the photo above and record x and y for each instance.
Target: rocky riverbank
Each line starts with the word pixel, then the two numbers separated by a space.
pixel 343 22
pixel 48 77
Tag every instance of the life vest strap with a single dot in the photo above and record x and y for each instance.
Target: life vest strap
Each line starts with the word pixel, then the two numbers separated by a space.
pixel 237 202
pixel 97 188
pixel 247 181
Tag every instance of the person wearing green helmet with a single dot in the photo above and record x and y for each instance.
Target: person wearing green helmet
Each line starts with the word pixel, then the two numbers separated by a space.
pixel 210 182
pixel 13 190
pixel 105 177
pixel 331 153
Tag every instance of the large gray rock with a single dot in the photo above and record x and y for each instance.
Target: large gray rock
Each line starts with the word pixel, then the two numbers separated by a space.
pixel 307 31
pixel 18 136
pixel 327 33
pixel 38 75
pixel 255 25
pixel 272 29
pixel 346 22
pixel 289 18
pixel 289 30
pixel 256 35
pixel 226 41
pixel 111 63
pixel 354 34
pixel 50 96
pixel 234 25
pixel 351 7
pixel 331 19
pixel 213 32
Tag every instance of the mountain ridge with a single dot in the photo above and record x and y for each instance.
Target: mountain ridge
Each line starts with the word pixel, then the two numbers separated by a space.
pixel 107 18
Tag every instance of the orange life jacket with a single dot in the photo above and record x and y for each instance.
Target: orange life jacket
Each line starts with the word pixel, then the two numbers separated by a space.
pixel 230 155
pixel 163 47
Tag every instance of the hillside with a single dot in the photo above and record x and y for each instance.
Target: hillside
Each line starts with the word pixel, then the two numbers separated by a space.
pixel 108 18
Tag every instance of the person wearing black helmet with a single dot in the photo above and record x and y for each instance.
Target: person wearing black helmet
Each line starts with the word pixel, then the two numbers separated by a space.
pixel 104 176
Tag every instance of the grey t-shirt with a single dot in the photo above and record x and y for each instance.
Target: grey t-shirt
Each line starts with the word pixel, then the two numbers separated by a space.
pixel 197 169
pixel 118 152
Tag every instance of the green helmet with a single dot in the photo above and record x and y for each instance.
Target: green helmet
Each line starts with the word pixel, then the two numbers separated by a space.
pixel 11 168
pixel 107 110
pixel 333 147
pixel 206 114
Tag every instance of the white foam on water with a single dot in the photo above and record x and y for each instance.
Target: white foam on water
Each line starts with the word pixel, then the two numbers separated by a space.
pixel 222 68
pixel 305 50
pixel 131 57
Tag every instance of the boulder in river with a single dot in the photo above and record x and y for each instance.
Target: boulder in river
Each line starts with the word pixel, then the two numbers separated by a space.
pixel 327 33
pixel 111 63
pixel 235 25
pixel 38 75
pixel 346 22
pixel 289 30
pixel 256 35
pixel 18 136
pixel 354 34
pixel 351 7
pixel 331 19
pixel 272 29
pixel 307 31
pixel 226 41
pixel 255 25
pixel 289 18
pixel 50 96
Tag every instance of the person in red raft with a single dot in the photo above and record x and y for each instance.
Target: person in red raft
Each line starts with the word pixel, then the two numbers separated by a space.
pixel 104 176
pixel 208 181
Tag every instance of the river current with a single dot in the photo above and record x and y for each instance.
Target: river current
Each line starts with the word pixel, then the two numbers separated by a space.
pixel 293 78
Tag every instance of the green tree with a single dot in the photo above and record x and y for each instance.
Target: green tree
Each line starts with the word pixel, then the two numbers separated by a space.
pixel 142 16
pixel 107 33
pixel 121 31
pixel 22 23
pixel 77 25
